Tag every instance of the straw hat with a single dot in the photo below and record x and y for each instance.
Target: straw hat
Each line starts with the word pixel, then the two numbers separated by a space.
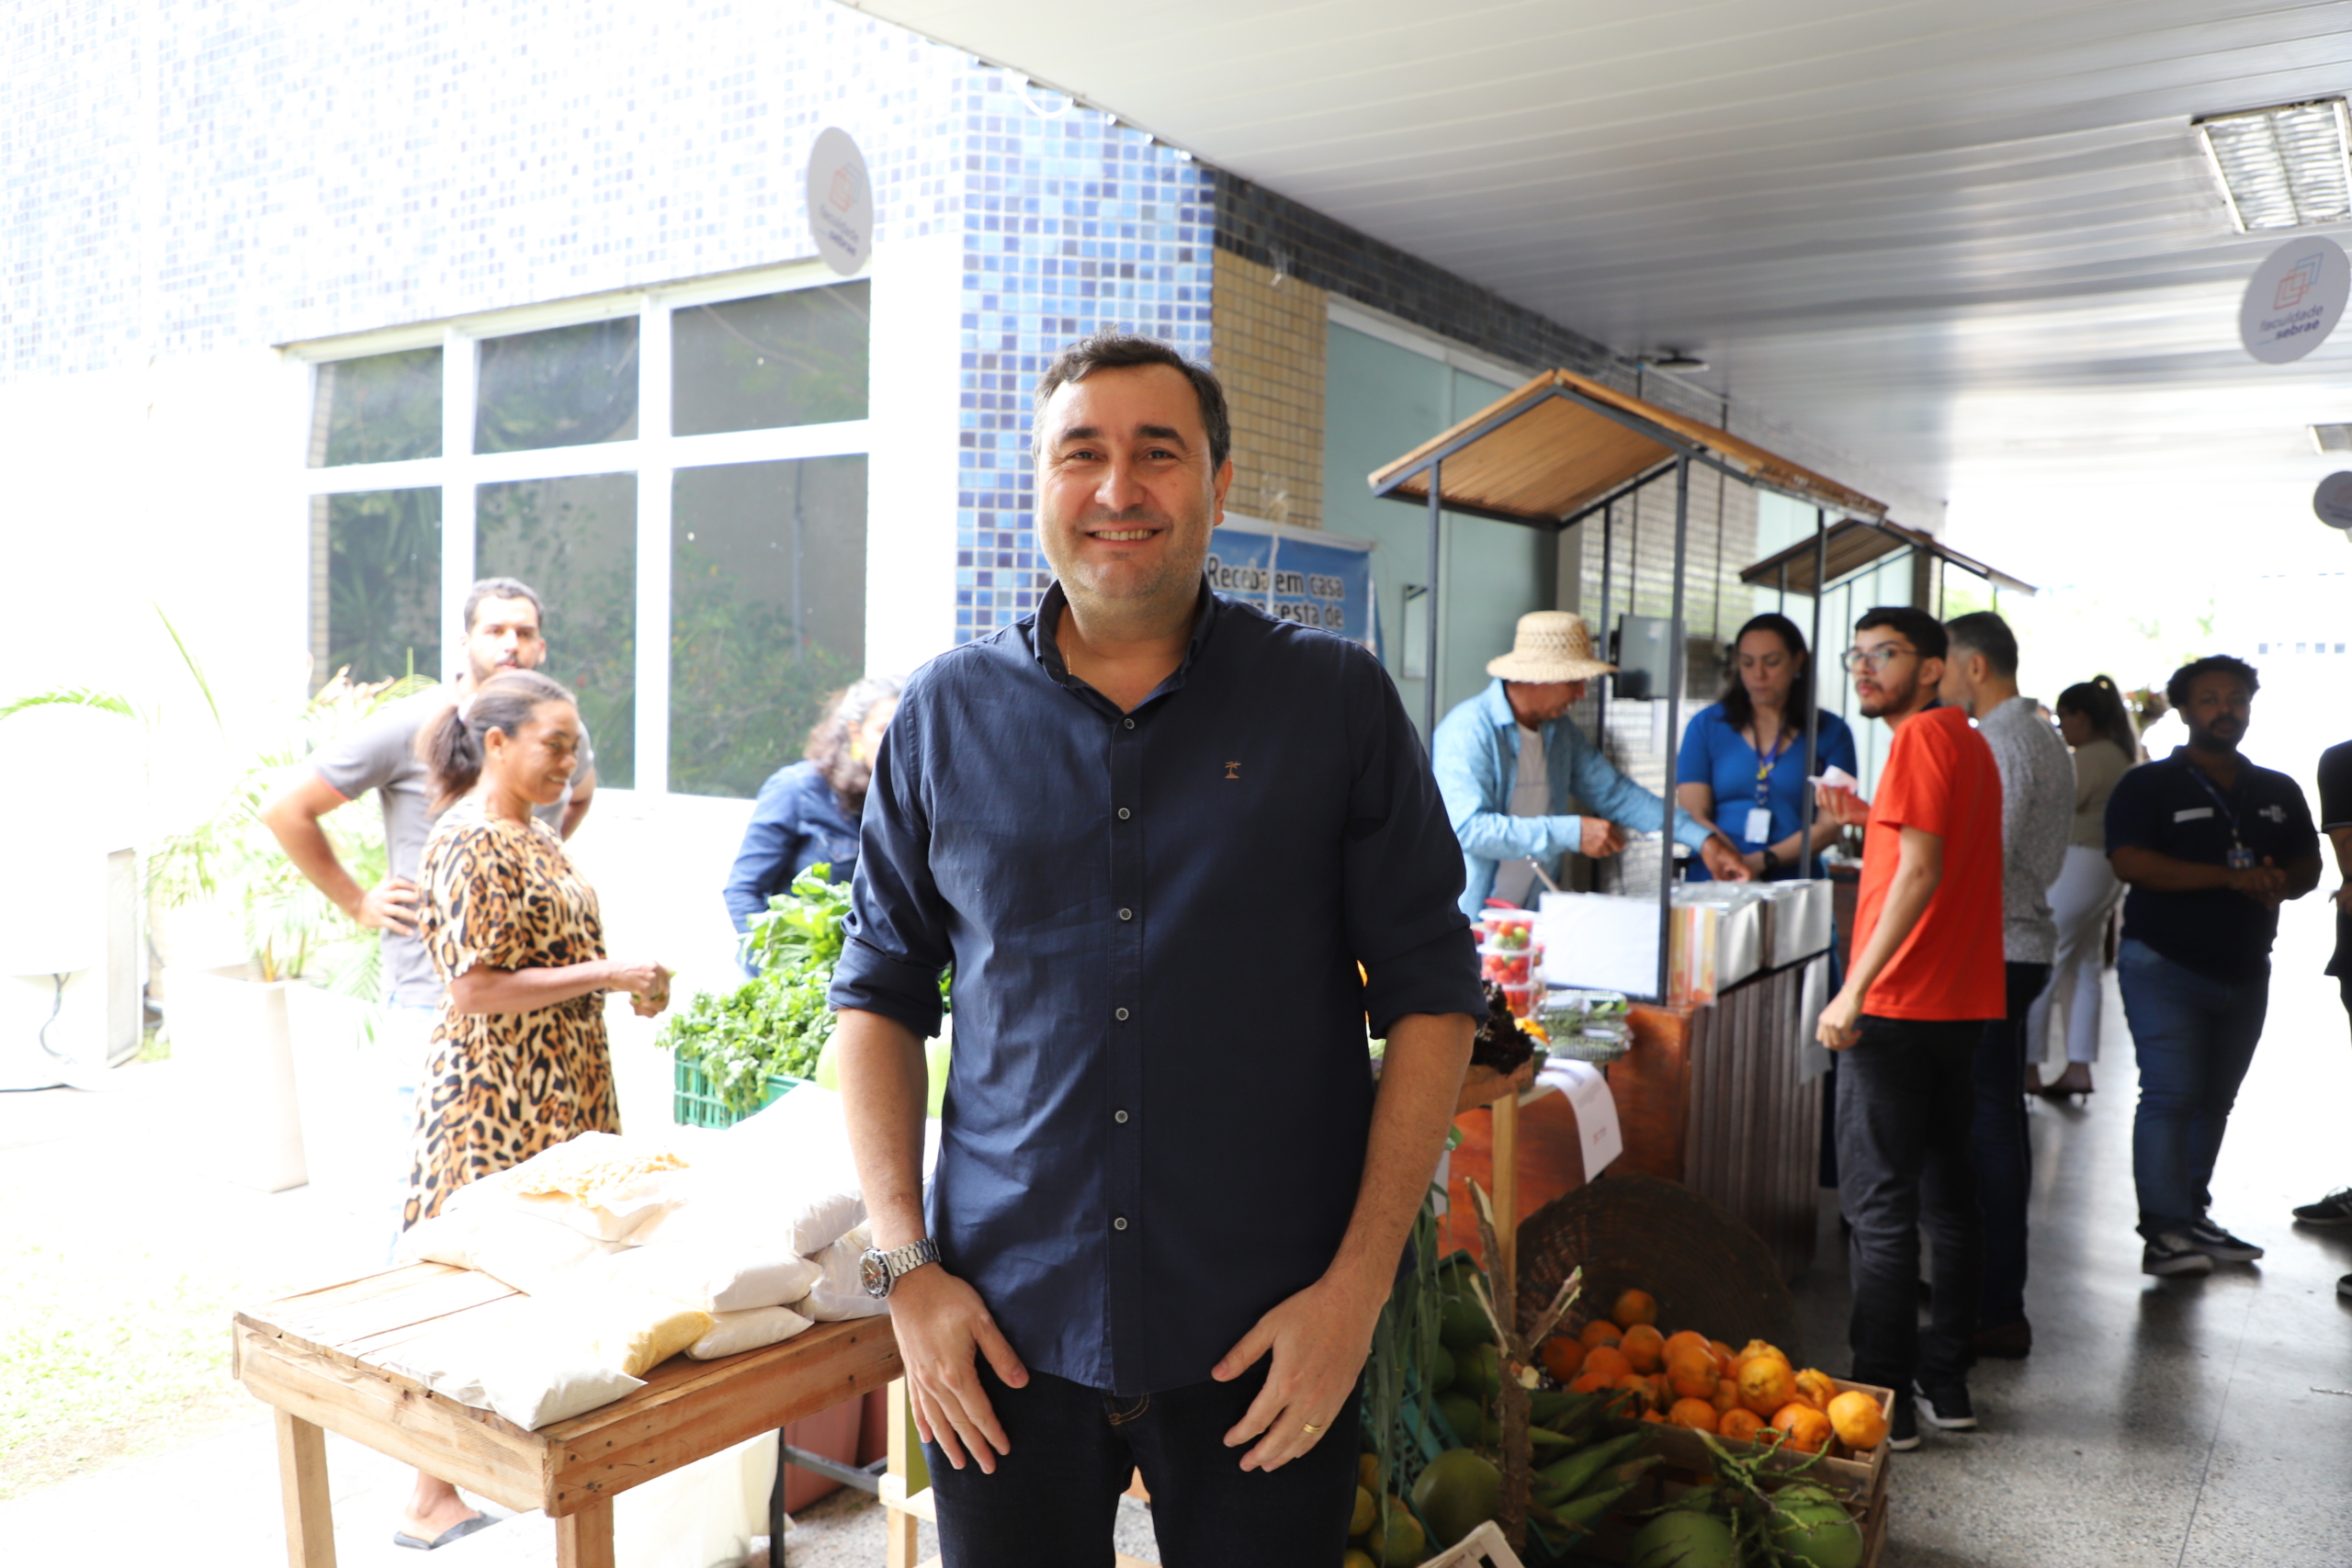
pixel 1552 645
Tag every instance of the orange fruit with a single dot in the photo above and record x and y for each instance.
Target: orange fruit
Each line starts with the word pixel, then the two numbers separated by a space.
pixel 1562 1357
pixel 1726 1395
pixel 1815 1389
pixel 1723 1357
pixel 1687 1339
pixel 1632 1307
pixel 1805 1427
pixel 1741 1423
pixel 1609 1361
pixel 1653 1417
pixel 1588 1383
pixel 1754 1349
pixel 1691 1373
pixel 1857 1419
pixel 1599 1332
pixel 1640 1387
pixel 1645 1347
pixel 1766 1384
pixel 1695 1414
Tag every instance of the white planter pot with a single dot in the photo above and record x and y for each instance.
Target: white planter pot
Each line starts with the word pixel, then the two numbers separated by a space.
pixel 231 1040
pixel 343 1092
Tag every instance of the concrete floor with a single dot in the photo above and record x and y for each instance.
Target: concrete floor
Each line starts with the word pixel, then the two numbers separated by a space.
pixel 2157 1424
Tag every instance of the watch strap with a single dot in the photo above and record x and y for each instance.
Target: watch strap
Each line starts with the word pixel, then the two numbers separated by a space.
pixel 904 1260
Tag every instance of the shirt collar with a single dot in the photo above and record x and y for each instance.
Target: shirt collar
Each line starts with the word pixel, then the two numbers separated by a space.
pixel 1496 707
pixel 1046 620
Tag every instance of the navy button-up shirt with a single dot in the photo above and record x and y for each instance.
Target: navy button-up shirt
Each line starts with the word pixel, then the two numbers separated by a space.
pixel 1157 1115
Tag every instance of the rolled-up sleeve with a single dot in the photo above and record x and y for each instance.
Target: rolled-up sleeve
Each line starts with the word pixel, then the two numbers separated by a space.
pixel 1482 827
pixel 1402 868
pixel 1613 795
pixel 894 939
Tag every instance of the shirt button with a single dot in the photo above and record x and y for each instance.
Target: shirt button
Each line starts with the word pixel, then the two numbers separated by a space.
pixel 1123 1015
pixel 1130 723
pixel 1120 1117
pixel 1120 1224
pixel 1124 814
pixel 1127 914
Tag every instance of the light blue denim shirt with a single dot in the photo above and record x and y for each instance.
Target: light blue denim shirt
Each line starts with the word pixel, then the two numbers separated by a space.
pixel 1476 759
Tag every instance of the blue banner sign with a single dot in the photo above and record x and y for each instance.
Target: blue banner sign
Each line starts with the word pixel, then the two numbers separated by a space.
pixel 1298 574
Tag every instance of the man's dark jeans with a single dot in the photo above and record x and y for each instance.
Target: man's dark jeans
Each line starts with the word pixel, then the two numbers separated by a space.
pixel 1051 1502
pixel 1906 1095
pixel 2194 1038
pixel 2004 1156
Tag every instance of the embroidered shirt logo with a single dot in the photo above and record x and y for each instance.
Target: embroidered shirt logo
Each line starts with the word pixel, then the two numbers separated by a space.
pixel 1233 770
pixel 2274 813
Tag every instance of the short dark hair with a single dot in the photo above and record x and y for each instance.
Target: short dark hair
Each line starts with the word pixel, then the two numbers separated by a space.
pixel 501 588
pixel 1120 351
pixel 2176 689
pixel 1987 634
pixel 1926 632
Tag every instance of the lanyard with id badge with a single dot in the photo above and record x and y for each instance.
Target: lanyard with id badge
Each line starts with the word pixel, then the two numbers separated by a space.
pixel 1760 815
pixel 2240 857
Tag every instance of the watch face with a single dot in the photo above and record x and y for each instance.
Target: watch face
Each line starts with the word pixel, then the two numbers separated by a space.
pixel 876 1274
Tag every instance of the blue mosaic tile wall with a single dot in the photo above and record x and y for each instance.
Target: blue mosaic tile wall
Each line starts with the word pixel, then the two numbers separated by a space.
pixel 189 176
pixel 1071 222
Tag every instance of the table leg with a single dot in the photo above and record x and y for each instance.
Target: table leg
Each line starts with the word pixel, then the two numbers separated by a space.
pixel 898 1541
pixel 585 1540
pixel 1506 1154
pixel 302 1490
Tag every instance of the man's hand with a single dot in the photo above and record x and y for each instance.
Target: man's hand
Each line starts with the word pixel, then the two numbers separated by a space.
pixel 1319 1339
pixel 942 1327
pixel 1842 807
pixel 2265 884
pixel 1599 838
pixel 1841 1021
pixel 1723 862
pixel 389 906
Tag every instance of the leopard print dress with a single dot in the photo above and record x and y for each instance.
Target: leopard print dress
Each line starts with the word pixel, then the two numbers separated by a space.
pixel 499 1087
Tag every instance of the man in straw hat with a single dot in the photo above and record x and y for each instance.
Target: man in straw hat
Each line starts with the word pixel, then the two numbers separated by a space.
pixel 1507 760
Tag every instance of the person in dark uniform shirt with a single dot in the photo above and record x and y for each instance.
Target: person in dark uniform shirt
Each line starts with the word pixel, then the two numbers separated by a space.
pixel 2336 821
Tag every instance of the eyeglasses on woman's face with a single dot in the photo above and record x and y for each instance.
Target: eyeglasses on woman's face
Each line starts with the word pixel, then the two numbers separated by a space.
pixel 1875 659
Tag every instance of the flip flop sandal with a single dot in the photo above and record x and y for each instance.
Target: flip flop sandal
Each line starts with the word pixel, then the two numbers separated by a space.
pixel 464 1527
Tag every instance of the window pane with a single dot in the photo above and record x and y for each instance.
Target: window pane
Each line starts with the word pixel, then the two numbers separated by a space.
pixel 796 358
pixel 383 409
pixel 574 541
pixel 376 584
pixel 569 387
pixel 767 614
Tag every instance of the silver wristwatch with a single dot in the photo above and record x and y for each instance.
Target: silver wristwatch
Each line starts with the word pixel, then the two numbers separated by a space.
pixel 880 1270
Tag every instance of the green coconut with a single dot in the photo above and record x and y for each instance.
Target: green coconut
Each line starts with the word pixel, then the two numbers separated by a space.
pixel 1456 1493
pixel 1462 1413
pixel 1461 1323
pixel 1438 1376
pixel 1478 1373
pixel 1684 1538
pixel 1810 1526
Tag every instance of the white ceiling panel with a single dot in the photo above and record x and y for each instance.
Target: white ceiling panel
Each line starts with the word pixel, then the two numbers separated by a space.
pixel 1973 245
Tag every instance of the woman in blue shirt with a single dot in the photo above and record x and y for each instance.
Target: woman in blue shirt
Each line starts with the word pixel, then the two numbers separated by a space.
pixel 1743 763
pixel 808 813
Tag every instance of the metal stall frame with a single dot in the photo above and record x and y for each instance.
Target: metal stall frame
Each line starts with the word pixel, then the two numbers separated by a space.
pixel 1555 475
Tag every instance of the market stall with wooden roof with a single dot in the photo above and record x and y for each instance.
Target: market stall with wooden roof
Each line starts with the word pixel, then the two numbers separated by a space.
pixel 1551 453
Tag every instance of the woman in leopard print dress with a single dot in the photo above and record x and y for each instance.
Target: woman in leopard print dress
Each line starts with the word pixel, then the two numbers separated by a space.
pixel 518 1061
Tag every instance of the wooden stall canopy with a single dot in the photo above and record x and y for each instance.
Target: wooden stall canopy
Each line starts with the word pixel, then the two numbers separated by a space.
pixel 1850 547
pixel 1552 447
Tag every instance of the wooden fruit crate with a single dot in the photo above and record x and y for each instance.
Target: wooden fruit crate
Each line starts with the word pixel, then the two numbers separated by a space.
pixel 1860 1477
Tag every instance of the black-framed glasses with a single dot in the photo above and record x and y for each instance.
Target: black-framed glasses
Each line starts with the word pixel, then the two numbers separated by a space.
pixel 1875 659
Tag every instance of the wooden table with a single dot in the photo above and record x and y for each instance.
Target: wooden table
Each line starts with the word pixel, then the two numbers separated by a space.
pixel 303 1355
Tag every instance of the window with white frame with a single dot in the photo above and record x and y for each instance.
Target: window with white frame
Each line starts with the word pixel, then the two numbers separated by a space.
pixel 681 476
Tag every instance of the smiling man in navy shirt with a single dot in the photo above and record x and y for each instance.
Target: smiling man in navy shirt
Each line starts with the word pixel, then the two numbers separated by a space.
pixel 1155 831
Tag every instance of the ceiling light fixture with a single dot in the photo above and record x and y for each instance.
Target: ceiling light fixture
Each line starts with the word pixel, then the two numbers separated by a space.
pixel 1674 359
pixel 2282 167
pixel 2332 437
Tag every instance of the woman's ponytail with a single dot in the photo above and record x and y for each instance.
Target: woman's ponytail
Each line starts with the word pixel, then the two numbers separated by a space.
pixel 450 744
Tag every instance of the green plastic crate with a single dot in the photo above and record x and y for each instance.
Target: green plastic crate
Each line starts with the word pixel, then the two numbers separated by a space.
pixel 696 1103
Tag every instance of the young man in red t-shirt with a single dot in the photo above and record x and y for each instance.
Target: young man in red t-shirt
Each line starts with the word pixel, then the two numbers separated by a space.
pixel 1926 975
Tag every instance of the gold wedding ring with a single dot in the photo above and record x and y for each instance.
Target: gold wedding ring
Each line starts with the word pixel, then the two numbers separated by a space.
pixel 1312 1429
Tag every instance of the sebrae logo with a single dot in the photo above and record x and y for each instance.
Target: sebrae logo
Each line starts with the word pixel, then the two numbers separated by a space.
pixel 2298 283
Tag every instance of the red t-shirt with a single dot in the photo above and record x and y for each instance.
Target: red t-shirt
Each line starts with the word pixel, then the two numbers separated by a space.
pixel 1940 776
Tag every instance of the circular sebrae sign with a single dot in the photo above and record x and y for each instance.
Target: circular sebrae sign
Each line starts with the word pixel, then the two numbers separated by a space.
pixel 2295 300
pixel 2333 500
pixel 841 203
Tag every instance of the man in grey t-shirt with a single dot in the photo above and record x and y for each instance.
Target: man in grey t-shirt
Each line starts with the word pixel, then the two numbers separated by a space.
pixel 2037 814
pixel 501 631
